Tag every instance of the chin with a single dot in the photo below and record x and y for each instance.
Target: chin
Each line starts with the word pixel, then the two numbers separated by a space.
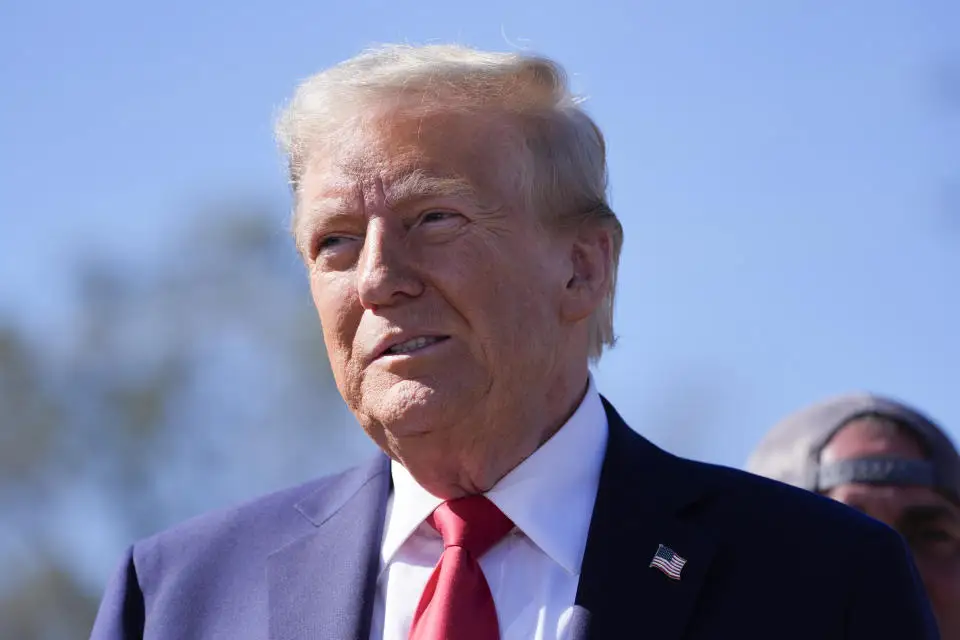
pixel 414 407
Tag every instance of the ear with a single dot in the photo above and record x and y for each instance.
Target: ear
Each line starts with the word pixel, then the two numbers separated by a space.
pixel 591 253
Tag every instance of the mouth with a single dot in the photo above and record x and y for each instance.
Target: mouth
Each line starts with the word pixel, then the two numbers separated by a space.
pixel 413 345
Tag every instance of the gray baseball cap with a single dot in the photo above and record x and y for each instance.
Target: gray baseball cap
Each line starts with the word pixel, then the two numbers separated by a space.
pixel 790 452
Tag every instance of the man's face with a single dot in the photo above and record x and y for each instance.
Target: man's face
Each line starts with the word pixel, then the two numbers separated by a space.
pixel 929 522
pixel 440 295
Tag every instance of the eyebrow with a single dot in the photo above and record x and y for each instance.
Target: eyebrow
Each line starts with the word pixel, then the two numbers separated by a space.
pixel 328 209
pixel 406 189
pixel 304 223
pixel 421 184
pixel 926 513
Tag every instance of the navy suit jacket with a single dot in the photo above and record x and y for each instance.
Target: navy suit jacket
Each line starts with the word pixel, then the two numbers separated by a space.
pixel 764 560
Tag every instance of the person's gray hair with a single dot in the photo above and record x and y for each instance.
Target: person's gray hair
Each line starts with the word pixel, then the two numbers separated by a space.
pixel 562 168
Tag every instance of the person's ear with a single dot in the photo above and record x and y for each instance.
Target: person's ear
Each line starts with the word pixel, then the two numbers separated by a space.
pixel 590 274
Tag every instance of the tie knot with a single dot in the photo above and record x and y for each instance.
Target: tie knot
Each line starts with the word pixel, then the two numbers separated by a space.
pixel 473 523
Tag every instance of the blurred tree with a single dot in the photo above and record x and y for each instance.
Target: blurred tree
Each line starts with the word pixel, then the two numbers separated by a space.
pixel 185 383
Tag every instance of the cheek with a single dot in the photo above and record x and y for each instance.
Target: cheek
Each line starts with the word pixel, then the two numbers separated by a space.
pixel 339 311
pixel 517 311
pixel 491 292
pixel 944 580
pixel 940 577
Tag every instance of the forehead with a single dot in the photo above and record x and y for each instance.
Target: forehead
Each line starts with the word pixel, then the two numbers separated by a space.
pixel 895 501
pixel 437 152
pixel 866 436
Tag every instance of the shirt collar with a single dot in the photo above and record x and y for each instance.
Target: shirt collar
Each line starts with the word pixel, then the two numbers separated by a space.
pixel 549 496
pixel 408 506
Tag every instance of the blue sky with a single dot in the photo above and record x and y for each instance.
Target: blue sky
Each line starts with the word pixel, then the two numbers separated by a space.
pixel 780 169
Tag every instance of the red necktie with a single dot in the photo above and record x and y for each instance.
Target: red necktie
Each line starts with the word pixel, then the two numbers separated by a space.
pixel 456 603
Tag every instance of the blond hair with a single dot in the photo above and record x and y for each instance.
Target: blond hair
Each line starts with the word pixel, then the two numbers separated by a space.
pixel 562 155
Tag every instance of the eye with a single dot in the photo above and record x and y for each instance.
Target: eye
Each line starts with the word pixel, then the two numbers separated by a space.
pixel 431 217
pixel 931 536
pixel 931 542
pixel 329 243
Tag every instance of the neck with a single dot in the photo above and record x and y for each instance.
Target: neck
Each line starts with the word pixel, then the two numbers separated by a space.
pixel 477 454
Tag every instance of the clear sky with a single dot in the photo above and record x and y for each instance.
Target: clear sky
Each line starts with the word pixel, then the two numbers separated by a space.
pixel 780 168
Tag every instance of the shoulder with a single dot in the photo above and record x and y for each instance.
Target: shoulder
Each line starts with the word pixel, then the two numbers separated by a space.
pixel 813 542
pixel 738 500
pixel 251 529
pixel 806 544
pixel 736 507
pixel 247 516
pixel 733 504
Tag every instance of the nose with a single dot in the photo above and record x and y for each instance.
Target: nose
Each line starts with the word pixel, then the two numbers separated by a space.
pixel 385 275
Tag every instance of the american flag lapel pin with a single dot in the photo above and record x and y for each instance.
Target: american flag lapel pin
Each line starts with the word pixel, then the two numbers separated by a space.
pixel 667 561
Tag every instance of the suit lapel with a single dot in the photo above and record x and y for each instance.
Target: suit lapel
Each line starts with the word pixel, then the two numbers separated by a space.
pixel 640 500
pixel 322 585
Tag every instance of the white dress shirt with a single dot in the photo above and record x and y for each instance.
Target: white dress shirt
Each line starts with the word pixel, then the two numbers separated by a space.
pixel 534 571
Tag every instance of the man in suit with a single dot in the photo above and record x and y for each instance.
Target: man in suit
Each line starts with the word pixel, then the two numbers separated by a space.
pixel 451 209
pixel 890 461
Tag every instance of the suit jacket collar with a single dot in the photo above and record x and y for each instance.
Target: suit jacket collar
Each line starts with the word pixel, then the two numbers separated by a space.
pixel 641 499
pixel 323 584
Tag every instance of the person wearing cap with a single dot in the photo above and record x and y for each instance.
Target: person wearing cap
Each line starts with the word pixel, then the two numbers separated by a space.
pixel 889 461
